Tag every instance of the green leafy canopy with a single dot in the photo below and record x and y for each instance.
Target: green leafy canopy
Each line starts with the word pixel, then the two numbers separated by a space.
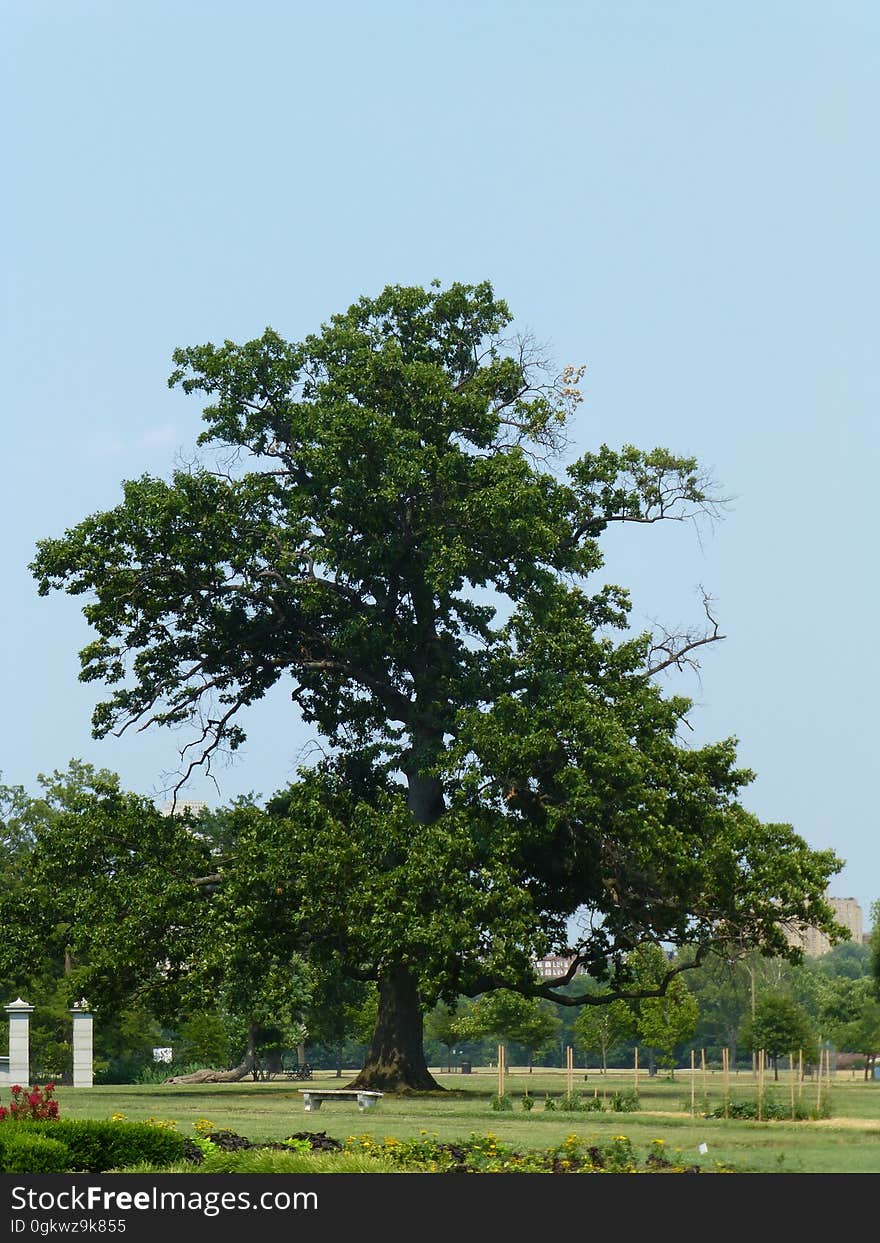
pixel 383 530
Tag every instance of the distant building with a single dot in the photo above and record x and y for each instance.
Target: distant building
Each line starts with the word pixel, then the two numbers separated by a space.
pixel 183 806
pixel 814 943
pixel 555 965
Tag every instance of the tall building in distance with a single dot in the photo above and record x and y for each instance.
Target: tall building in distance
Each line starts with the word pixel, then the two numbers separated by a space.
pixel 195 807
pixel 555 965
pixel 814 943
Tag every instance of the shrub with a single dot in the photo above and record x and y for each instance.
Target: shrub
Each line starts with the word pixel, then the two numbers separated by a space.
pixel 575 1103
pixel 363 1154
pixel 97 1145
pixel 37 1104
pixel 773 1110
pixel 502 1103
pixel 32 1154
pixel 624 1102
pixel 271 1161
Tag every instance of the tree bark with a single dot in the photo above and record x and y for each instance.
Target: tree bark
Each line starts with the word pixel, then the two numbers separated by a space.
pixel 424 798
pixel 395 1060
pixel 396 1056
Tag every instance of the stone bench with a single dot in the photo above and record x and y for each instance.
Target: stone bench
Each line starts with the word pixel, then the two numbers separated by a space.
pixel 314 1097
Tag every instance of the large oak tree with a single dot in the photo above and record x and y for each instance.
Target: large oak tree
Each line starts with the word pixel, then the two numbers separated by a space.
pixel 386 528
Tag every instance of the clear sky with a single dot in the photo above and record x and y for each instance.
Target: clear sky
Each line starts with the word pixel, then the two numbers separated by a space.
pixel 683 196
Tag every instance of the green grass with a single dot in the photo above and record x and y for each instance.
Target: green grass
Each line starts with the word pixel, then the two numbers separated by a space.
pixel 848 1142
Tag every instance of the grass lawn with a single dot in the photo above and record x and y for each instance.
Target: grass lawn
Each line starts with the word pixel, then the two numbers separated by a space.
pixel 847 1142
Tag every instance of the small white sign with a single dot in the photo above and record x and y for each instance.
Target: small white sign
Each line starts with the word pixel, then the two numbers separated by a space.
pixel 704 1148
pixel 163 1055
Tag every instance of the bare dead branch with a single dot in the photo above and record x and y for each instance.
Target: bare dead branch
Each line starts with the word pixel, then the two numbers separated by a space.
pixel 676 650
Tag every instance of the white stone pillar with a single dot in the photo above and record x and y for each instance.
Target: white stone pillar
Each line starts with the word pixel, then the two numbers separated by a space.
pixel 19 1042
pixel 83 1050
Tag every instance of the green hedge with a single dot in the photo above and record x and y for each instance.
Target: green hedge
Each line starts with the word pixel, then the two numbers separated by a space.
pixel 31 1154
pixel 95 1146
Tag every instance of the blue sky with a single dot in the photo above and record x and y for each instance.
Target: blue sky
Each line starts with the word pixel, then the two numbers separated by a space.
pixel 683 196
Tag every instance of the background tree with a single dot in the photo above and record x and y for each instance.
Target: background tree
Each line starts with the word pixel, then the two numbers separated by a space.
pixel 875 946
pixel 37 958
pixel 723 991
pixel 204 1039
pixel 383 531
pixel 781 1026
pixel 862 1034
pixel 597 1029
pixel 336 1011
pixel 666 1020
pixel 16 838
pixel 844 1004
pixel 849 960
pixel 505 1015
pixel 444 1025
pixel 135 897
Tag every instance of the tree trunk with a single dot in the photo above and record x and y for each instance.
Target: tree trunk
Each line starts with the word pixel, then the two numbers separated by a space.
pixel 424 798
pixel 396 1056
pixel 395 1060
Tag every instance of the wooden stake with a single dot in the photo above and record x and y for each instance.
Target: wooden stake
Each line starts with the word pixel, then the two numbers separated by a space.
pixel 791 1077
pixel 569 1069
pixel 800 1073
pixel 693 1076
pixel 760 1084
pixel 705 1081
pixel 501 1069
pixel 637 1069
pixel 725 1061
